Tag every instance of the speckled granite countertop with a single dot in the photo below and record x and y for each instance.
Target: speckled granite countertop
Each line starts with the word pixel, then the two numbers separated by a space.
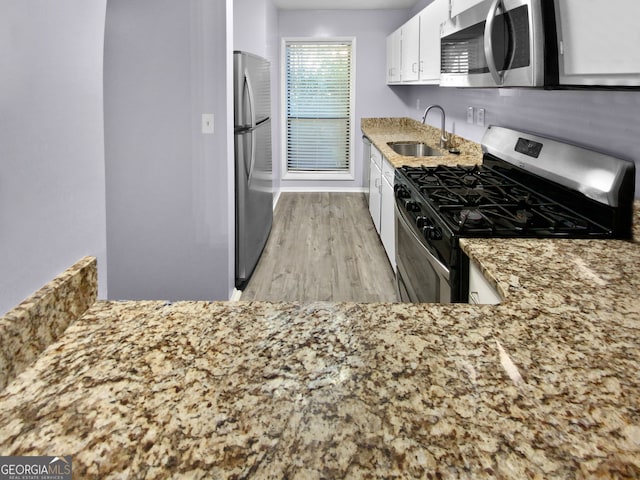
pixel 383 130
pixel 544 385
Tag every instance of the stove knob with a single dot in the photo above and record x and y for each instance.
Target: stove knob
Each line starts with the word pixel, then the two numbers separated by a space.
pixel 422 222
pixel 411 206
pixel 401 191
pixel 434 233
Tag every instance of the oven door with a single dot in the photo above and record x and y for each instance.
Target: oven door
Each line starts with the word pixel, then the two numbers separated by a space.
pixel 421 277
pixel 494 43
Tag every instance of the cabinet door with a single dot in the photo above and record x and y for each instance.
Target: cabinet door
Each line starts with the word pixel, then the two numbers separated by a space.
pixel 410 51
pixel 430 19
pixel 394 46
pixel 458 6
pixel 375 183
pixel 387 218
pixel 599 48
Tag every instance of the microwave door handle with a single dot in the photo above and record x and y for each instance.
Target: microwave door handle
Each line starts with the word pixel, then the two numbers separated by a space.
pixel 488 42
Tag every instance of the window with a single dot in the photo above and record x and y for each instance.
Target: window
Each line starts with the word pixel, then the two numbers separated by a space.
pixel 318 108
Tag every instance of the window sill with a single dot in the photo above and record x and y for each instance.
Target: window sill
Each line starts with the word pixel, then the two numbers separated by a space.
pixel 318 176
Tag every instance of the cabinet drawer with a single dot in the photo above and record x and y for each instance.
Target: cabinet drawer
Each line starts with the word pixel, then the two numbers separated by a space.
pixel 388 172
pixel 376 156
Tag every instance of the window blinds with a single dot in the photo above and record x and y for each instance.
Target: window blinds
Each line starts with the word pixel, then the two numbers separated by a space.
pixel 318 106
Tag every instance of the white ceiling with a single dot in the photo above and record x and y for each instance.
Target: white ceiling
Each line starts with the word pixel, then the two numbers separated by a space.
pixel 343 4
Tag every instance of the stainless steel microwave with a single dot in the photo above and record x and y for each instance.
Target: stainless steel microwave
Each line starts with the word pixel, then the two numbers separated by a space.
pixel 500 43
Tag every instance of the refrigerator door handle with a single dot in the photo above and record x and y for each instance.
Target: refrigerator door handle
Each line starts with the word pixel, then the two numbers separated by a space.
pixel 252 157
pixel 249 90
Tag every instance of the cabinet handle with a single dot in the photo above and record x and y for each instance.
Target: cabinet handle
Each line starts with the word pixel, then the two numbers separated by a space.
pixel 421 65
pixel 413 67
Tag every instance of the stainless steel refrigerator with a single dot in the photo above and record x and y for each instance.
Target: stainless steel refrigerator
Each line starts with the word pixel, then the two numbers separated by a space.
pixel 253 172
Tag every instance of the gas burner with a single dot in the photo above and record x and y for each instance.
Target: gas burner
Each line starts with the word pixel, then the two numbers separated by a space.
pixel 524 198
pixel 523 217
pixel 562 220
pixel 469 180
pixel 443 196
pixel 471 217
pixel 429 180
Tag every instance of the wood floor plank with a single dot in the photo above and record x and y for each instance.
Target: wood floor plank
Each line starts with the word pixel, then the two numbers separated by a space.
pixel 322 247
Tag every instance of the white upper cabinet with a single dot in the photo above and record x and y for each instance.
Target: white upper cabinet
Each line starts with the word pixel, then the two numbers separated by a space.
pixel 430 19
pixel 411 50
pixel 599 42
pixel 457 6
pixel 394 53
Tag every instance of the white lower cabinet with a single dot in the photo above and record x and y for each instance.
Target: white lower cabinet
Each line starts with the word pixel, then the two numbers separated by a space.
pixel 382 201
pixel 375 186
pixel 387 215
pixel 480 290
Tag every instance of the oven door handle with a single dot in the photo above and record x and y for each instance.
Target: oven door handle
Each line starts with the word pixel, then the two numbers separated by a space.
pixel 498 77
pixel 435 263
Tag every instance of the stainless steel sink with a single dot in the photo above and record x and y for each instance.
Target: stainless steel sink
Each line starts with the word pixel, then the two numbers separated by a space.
pixel 414 149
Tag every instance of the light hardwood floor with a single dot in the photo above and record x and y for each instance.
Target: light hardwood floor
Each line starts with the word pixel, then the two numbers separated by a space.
pixel 322 247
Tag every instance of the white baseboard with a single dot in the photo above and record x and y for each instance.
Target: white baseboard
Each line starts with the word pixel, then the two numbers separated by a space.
pixel 322 189
pixel 276 197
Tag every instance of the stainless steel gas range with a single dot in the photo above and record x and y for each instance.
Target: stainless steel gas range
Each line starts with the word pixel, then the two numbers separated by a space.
pixel 527 186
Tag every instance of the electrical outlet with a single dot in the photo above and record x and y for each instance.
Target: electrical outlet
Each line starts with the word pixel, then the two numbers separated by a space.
pixel 480 121
pixel 418 104
pixel 470 115
pixel 207 123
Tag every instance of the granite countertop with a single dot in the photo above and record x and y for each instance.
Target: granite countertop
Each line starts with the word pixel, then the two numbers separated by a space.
pixel 383 130
pixel 543 385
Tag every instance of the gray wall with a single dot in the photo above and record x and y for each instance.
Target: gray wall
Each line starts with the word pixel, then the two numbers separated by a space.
pixel 52 193
pixel 608 121
pixel 168 186
pixel 373 97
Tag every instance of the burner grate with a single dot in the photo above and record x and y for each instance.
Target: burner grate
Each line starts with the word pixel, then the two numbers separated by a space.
pixel 478 200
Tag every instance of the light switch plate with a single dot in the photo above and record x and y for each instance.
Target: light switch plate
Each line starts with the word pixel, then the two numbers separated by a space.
pixel 470 114
pixel 207 123
pixel 480 121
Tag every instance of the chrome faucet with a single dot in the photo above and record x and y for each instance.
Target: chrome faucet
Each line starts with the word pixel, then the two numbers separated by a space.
pixel 443 134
